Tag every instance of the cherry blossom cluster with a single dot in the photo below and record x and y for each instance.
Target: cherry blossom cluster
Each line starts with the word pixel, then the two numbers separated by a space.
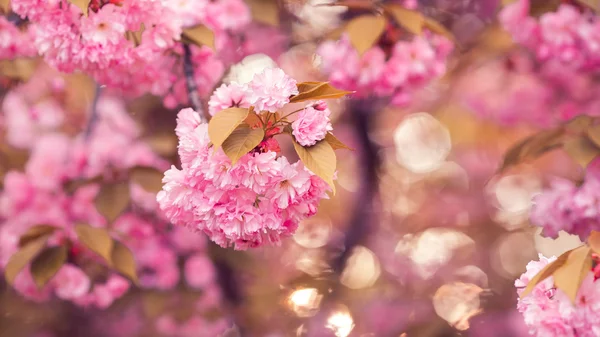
pixel 263 196
pixel 549 312
pixel 516 91
pixel 131 45
pixel 35 117
pixel 566 39
pixel 15 41
pixel 409 66
pixel 565 206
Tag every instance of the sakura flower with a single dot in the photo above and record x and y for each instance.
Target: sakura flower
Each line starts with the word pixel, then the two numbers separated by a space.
pixel 228 96
pixel 271 89
pixel 311 126
pixel 71 282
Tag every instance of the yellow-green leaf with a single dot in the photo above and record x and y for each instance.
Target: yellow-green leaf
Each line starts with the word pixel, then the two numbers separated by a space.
pixel 149 178
pixel 323 90
pixel 264 11
pixel 593 133
pixel 594 241
pixel 438 28
pixel 253 120
pixel 199 35
pixel 569 277
pixel 34 233
pixel 320 159
pixel 581 150
pixel 5 6
pixel 412 21
pixel 223 123
pixel 546 272
pixel 72 186
pixel 112 200
pixel 335 143
pixel 22 257
pixel 533 147
pixel 364 31
pixel 123 261
pixel 47 264
pixel 241 141
pixel 592 4
pixel 82 4
pixel 97 240
pixel 19 69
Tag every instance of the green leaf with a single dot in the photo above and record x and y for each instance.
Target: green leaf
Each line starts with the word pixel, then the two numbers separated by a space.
pixel 582 150
pixel 112 200
pixel 22 257
pixel 546 272
pixel 47 264
pixel 569 277
pixel 5 6
pixel 223 123
pixel 19 69
pixel 34 233
pixel 123 261
pixel 594 241
pixel 241 141
pixel 149 178
pixel 364 31
pixel 97 240
pixel 592 4
pixel 320 159
pixel 335 143
pixel 81 4
pixel 265 11
pixel 412 21
pixel 199 35
pixel 533 147
pixel 312 91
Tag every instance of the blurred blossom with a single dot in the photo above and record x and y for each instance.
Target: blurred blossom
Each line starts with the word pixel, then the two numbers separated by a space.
pixel 471 274
pixel 513 196
pixel 341 323
pixel 312 262
pixel 317 17
pixel 457 303
pixel 305 302
pixel 362 269
pixel 313 232
pixel 514 192
pixel 511 252
pixel 422 143
pixel 244 71
pixel 433 248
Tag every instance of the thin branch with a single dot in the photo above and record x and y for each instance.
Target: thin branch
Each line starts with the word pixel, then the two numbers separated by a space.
pixel 94 113
pixel 190 82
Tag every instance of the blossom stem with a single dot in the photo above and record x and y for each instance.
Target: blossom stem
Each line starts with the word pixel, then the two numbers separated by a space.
pixel 190 82
pixel 94 113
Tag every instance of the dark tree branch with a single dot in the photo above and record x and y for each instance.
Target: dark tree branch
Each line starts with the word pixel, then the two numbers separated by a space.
pixel 93 119
pixel 362 113
pixel 190 82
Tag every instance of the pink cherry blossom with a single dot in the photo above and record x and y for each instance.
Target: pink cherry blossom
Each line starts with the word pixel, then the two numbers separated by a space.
pixel 311 126
pixel 228 96
pixel 71 283
pixel 271 89
pixel 199 271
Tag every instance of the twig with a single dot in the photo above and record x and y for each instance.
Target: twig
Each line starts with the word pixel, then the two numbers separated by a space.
pixel 190 82
pixel 94 113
